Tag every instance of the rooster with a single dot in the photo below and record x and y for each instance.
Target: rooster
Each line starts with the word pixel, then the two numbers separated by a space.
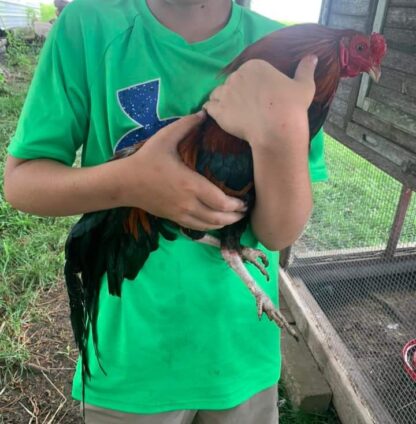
pixel 118 241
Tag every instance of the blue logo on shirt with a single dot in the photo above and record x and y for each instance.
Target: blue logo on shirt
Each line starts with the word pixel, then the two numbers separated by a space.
pixel 140 103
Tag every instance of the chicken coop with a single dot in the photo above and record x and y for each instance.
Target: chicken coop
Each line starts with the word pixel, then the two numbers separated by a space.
pixel 350 280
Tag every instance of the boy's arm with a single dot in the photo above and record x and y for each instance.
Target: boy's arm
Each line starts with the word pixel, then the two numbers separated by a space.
pixel 154 179
pixel 54 123
pixel 283 194
pixel 269 110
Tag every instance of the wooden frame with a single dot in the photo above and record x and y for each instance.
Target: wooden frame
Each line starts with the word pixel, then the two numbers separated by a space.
pixel 245 3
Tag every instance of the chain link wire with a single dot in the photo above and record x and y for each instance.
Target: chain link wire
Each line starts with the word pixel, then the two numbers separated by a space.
pixel 367 295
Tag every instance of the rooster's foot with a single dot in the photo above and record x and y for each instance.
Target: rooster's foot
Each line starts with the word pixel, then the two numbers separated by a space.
pixel 263 302
pixel 252 255
pixel 235 260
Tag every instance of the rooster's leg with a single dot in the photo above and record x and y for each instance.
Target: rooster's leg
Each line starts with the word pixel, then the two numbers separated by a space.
pixel 235 261
pixel 264 304
pixel 248 254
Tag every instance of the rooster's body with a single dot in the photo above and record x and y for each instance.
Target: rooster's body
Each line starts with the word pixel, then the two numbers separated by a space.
pixel 119 241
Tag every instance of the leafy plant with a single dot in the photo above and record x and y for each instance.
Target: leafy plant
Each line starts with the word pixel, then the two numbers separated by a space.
pixel 17 50
pixel 47 12
pixel 32 16
pixel 3 82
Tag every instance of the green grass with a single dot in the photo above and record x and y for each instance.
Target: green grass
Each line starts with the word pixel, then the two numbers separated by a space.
pixel 356 207
pixel 31 248
pixel 290 415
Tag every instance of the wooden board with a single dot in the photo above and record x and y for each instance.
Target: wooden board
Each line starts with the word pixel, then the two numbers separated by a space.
pixel 387 129
pixel 325 11
pixel 401 17
pixel 406 176
pixel 338 268
pixel 396 117
pixel 339 106
pixel 400 39
pixel 403 102
pixel 404 3
pixel 344 91
pixel 398 81
pixel 382 146
pixel 359 23
pixel 351 7
pixel 401 61
pixel 337 120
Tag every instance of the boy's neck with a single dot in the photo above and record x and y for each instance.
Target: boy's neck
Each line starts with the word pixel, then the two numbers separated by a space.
pixel 194 20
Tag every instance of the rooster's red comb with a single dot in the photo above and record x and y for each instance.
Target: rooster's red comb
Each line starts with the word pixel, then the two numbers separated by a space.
pixel 378 46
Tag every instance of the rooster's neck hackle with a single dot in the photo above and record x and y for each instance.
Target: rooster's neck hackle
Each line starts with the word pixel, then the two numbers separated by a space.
pixel 285 48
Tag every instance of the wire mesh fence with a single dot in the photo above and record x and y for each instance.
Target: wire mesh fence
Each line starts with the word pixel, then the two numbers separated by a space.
pixel 366 290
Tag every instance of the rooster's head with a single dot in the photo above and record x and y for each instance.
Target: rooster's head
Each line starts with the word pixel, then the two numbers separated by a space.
pixel 362 53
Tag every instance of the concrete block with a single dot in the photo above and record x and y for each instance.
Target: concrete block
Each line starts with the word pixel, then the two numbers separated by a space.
pixel 306 386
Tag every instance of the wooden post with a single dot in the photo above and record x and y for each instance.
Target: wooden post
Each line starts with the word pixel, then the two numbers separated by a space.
pixel 245 3
pixel 285 257
pixel 377 27
pixel 396 229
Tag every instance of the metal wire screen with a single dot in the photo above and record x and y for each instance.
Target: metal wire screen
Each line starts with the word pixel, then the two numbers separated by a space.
pixel 368 295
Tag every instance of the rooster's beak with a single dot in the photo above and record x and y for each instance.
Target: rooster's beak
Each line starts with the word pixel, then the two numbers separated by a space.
pixel 375 73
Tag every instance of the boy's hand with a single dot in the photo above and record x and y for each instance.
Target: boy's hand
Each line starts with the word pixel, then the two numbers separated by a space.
pixel 169 189
pixel 269 110
pixel 260 104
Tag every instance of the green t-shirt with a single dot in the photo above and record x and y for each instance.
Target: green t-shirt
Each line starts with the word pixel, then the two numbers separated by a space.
pixel 185 333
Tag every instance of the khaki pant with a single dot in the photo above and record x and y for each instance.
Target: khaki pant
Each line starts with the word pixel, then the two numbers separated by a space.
pixel 260 409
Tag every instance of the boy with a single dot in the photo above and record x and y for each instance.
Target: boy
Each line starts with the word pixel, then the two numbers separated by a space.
pixel 183 343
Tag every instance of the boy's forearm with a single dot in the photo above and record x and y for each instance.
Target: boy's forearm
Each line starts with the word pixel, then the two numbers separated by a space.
pixel 283 194
pixel 49 188
pixel 154 179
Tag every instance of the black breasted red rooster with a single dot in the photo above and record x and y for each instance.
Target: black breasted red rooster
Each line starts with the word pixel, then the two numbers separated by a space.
pixel 118 241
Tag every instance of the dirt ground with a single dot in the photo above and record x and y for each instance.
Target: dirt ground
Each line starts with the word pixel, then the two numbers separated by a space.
pixel 375 328
pixel 41 392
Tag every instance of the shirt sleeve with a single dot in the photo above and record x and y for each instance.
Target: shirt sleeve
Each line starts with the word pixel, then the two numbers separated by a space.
pixel 54 120
pixel 317 166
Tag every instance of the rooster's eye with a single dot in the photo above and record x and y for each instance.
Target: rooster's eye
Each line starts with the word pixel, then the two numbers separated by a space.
pixel 360 47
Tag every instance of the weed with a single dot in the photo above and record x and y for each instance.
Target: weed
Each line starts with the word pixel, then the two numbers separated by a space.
pixel 17 51
pixel 32 16
pixel 288 414
pixel 3 83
